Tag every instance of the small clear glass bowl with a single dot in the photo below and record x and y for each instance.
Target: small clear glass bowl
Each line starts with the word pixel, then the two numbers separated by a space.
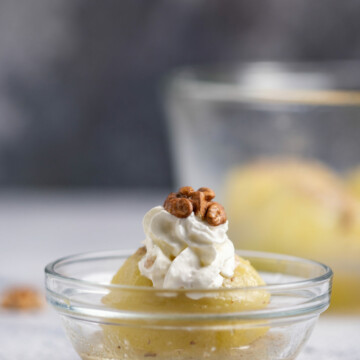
pixel 299 291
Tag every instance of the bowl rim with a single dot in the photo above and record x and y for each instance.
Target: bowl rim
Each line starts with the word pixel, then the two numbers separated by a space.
pixel 50 271
pixel 189 82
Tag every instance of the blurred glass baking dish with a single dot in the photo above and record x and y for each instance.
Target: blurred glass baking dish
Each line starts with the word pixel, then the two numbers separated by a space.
pixel 275 141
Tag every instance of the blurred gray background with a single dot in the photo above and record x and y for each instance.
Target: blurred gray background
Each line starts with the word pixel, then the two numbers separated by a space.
pixel 80 80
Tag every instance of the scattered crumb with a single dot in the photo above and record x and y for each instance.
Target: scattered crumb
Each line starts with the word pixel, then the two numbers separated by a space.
pixel 22 298
pixel 149 262
pixel 149 354
pixel 141 251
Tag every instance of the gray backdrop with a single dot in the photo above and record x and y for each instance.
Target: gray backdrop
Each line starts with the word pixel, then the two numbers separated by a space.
pixel 79 79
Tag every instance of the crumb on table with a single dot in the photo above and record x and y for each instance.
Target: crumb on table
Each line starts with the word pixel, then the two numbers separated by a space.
pixel 22 298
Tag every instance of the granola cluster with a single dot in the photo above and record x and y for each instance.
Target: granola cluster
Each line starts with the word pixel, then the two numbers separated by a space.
pixel 187 200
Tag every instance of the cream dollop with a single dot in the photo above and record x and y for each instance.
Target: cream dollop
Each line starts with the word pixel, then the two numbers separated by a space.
pixel 185 253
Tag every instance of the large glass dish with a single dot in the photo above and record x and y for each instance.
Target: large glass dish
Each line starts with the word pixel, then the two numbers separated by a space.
pixel 279 143
pixel 76 286
pixel 224 116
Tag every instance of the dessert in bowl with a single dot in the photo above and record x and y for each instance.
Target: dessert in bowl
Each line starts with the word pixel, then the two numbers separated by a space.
pixel 186 294
pixel 322 212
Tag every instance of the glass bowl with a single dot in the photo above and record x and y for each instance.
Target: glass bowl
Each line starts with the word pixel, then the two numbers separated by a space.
pixel 77 286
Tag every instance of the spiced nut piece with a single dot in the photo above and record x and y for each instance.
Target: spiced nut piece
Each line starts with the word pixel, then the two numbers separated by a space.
pixel 186 191
pixel 215 214
pixel 167 200
pixel 209 193
pixel 199 204
pixel 172 195
pixel 179 207
pixel 186 200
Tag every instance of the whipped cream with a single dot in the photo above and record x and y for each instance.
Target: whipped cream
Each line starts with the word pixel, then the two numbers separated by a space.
pixel 185 253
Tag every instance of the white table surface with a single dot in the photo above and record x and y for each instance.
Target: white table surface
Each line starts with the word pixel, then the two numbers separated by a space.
pixel 36 228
